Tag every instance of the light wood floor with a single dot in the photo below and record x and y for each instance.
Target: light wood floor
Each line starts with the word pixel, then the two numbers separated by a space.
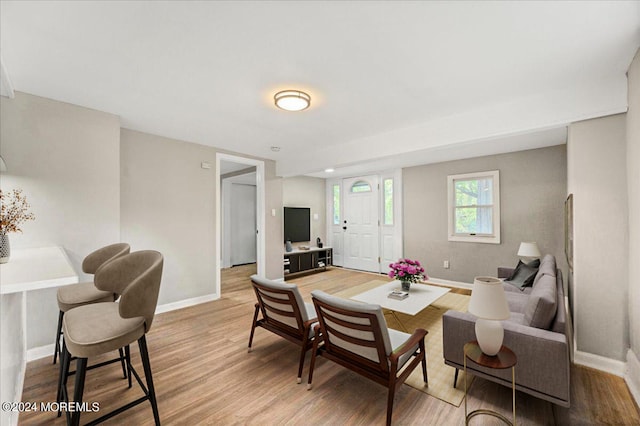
pixel 204 375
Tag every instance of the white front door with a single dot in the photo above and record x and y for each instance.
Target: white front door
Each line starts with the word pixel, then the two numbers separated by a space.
pixel 361 223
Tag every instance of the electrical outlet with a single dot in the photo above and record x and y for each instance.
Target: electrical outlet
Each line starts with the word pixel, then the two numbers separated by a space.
pixel 445 264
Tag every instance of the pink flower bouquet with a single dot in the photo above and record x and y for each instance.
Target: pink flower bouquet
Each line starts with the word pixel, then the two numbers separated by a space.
pixel 407 270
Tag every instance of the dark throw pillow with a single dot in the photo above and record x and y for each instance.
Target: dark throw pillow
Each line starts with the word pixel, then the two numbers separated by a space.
pixel 524 274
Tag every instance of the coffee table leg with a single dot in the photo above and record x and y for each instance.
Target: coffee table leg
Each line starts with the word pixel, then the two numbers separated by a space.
pixel 395 317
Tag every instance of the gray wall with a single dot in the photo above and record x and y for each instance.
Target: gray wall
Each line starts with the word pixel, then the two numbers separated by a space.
pixel 168 204
pixel 65 158
pixel 596 153
pixel 532 195
pixel 274 250
pixel 633 191
pixel 303 191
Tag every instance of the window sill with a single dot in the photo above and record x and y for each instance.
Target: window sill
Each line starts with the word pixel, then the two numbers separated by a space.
pixel 475 239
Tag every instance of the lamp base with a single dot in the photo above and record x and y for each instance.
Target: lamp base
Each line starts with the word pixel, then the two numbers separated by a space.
pixel 490 335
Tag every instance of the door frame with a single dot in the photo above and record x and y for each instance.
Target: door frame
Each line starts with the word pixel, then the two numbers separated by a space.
pixel 396 228
pixel 229 250
pixel 361 263
pixel 260 215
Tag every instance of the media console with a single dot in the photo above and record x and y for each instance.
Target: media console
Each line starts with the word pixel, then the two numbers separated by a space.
pixel 305 261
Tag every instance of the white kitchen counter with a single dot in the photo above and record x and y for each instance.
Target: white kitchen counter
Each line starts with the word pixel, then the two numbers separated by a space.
pixel 27 270
pixel 36 268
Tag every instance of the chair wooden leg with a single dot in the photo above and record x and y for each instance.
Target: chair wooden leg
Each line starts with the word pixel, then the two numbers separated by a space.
pixel 127 351
pixel 314 352
pixel 57 351
pixel 123 363
pixel 303 352
pixel 253 326
pixel 146 364
pixel 455 378
pixel 424 370
pixel 81 371
pixel 392 391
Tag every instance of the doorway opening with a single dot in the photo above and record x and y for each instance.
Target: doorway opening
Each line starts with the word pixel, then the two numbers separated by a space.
pixel 240 219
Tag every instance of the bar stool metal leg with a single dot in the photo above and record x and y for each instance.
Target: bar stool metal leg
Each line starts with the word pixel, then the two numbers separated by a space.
pixel 144 354
pixel 123 363
pixel 57 351
pixel 81 371
pixel 65 360
pixel 127 351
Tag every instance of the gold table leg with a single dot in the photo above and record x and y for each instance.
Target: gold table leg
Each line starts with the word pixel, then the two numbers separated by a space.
pixel 469 416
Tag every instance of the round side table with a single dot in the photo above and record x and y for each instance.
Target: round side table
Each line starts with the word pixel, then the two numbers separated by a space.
pixel 505 358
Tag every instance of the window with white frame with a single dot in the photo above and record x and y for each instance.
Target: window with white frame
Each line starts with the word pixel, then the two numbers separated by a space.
pixel 387 211
pixel 474 207
pixel 336 204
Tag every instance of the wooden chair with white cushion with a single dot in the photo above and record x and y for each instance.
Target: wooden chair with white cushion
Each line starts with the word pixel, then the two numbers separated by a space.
pixel 355 335
pixel 283 313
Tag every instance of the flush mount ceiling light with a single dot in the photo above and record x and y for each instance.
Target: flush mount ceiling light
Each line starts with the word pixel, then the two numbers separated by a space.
pixel 292 100
pixel 329 170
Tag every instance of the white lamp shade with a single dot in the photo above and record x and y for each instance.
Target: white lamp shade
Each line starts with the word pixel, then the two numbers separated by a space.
pixel 529 249
pixel 488 300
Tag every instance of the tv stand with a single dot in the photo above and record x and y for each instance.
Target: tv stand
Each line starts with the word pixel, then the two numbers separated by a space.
pixel 298 262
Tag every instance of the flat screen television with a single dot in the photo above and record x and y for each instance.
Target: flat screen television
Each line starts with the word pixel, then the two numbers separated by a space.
pixel 297 224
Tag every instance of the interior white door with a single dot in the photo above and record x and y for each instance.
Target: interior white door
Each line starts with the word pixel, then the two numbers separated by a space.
pixel 361 224
pixel 243 224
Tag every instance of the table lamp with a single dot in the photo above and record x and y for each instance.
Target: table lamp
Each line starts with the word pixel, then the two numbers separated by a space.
pixel 529 250
pixel 489 304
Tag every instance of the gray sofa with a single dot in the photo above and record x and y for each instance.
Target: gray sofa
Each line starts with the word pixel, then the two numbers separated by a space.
pixel 536 332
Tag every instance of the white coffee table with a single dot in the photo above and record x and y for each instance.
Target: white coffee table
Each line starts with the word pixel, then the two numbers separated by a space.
pixel 420 296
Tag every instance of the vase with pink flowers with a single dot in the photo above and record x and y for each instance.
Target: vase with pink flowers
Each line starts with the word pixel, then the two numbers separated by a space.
pixel 407 271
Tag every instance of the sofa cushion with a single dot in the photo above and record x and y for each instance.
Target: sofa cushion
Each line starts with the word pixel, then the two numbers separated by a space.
pixel 510 288
pixel 516 301
pixel 517 318
pixel 524 274
pixel 547 267
pixel 542 304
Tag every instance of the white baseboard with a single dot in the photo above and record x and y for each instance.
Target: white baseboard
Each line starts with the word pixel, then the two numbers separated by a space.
pixel 601 363
pixel 186 303
pixel 40 352
pixel 632 375
pixel 456 284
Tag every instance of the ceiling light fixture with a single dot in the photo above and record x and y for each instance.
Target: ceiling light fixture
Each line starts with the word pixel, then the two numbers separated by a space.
pixel 329 170
pixel 275 148
pixel 292 100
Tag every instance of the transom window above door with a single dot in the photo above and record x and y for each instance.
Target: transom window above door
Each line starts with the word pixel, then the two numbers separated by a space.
pixel 360 186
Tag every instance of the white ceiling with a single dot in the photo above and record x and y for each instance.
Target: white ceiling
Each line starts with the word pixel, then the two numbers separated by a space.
pixel 391 82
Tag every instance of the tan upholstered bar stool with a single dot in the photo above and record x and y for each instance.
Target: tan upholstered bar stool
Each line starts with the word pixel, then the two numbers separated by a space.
pixel 99 328
pixel 75 295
